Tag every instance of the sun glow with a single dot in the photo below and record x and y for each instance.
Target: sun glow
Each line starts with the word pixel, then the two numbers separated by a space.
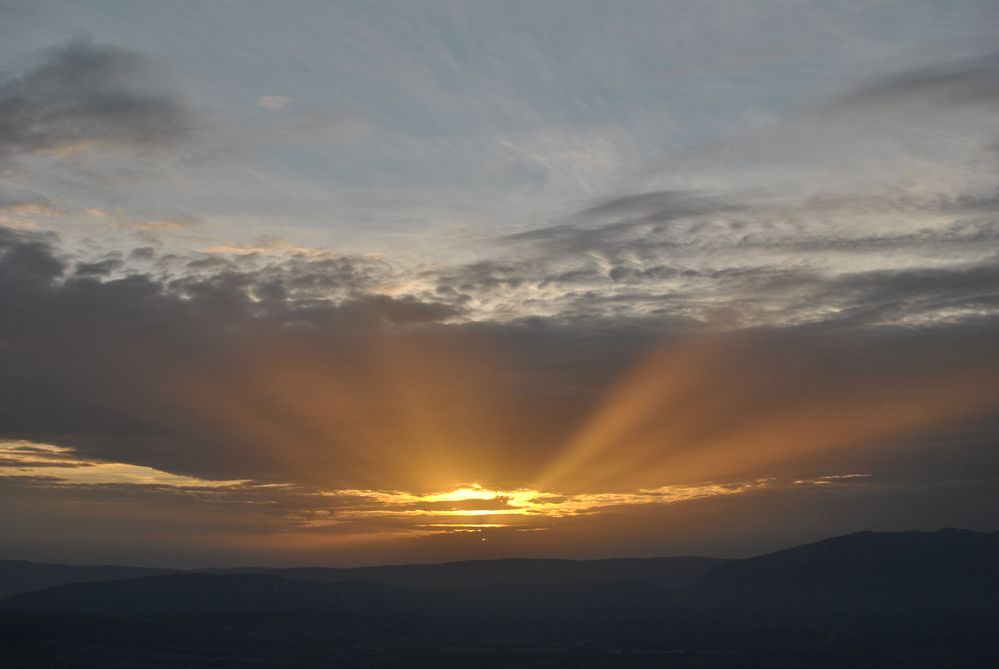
pixel 521 498
pixel 356 516
pixel 406 439
pixel 476 501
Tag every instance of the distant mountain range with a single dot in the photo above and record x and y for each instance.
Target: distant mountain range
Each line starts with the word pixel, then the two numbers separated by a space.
pixel 952 568
pixel 935 592
pixel 17 576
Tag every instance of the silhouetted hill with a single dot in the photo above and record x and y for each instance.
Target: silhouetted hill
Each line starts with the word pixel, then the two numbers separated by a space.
pixel 203 593
pixel 17 576
pixel 865 571
pixel 868 570
pixel 897 599
pixel 259 593
pixel 670 573
pixel 23 576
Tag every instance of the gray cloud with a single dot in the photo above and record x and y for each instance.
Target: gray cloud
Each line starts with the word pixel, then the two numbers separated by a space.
pixel 236 372
pixel 969 292
pixel 645 214
pixel 86 349
pixel 99 268
pixel 779 261
pixel 84 92
pixel 883 250
pixel 968 81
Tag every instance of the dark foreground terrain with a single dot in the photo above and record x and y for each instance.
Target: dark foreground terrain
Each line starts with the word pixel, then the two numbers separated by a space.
pixel 865 600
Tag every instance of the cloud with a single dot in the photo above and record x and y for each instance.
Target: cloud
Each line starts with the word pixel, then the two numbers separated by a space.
pixel 755 401
pixel 963 82
pixel 896 246
pixel 758 260
pixel 99 268
pixel 82 94
pixel 25 214
pixel 23 459
pixel 301 370
pixel 620 217
pixel 664 345
pixel 136 335
pixel 273 102
pixel 297 512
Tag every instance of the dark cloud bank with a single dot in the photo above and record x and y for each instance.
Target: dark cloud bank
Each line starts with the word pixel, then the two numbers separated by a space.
pixel 163 371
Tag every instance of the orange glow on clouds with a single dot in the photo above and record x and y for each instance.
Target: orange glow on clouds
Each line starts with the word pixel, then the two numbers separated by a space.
pixel 417 414
pixel 27 459
pixel 716 407
pixel 359 511
pixel 378 440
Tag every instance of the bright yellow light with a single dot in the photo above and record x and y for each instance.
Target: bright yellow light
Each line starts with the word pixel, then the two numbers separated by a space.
pixel 523 502
pixel 475 491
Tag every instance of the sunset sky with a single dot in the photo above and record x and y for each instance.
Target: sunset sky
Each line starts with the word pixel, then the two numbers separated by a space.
pixel 343 283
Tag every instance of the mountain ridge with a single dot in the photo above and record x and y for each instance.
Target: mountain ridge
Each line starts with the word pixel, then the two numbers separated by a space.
pixel 862 567
pixel 748 609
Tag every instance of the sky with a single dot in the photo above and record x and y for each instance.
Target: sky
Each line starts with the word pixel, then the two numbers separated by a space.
pixel 344 283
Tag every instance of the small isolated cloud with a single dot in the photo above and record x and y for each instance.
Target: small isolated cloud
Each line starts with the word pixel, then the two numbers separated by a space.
pixel 273 102
pixel 159 224
pixel 263 245
pixel 167 224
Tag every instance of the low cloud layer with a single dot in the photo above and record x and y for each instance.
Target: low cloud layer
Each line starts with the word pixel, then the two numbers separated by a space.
pixel 304 372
